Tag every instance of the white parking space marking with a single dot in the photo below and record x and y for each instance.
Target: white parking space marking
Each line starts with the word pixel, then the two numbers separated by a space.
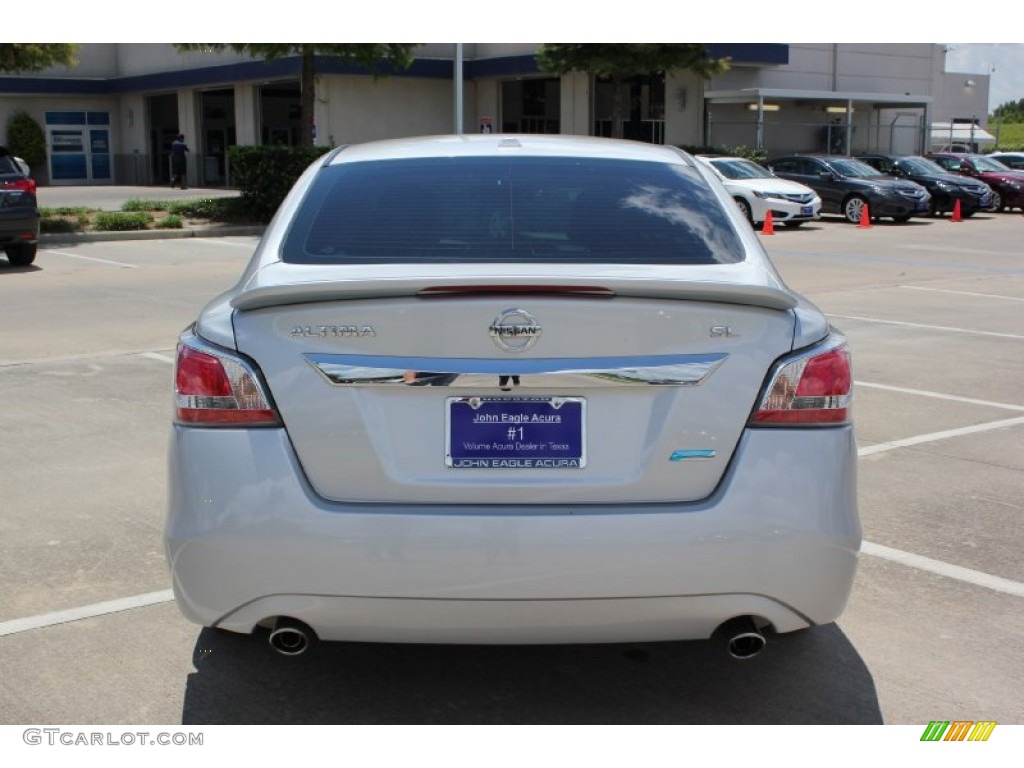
pixel 15 626
pixel 939 395
pixel 222 241
pixel 961 293
pixel 93 258
pixel 934 436
pixel 929 327
pixel 956 572
pixel 169 359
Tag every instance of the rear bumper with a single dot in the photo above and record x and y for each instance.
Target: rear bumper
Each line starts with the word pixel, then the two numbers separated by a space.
pixel 248 540
pixel 18 225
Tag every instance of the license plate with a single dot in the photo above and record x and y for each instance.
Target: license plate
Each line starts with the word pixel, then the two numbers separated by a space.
pixel 922 206
pixel 515 433
pixel 807 210
pixel 986 201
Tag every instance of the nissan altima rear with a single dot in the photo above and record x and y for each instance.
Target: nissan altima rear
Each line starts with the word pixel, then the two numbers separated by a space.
pixel 511 389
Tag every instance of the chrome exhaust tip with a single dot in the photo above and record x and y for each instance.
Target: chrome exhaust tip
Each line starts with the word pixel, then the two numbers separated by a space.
pixel 742 638
pixel 290 637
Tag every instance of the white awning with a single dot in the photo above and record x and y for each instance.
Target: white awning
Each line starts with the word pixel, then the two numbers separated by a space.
pixel 960 133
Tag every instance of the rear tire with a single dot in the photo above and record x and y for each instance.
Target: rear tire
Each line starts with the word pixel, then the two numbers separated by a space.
pixel 21 255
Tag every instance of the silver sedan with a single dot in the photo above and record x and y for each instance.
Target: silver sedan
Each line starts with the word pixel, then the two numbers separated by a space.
pixel 511 389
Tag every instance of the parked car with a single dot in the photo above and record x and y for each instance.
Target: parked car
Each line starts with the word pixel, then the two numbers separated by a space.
pixel 511 389
pixel 19 211
pixel 945 188
pixel 1007 186
pixel 757 190
pixel 846 186
pixel 1012 160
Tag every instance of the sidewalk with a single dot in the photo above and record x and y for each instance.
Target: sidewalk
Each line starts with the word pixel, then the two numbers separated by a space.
pixel 110 198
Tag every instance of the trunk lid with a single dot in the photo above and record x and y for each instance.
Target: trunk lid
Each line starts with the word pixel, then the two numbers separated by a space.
pixel 388 385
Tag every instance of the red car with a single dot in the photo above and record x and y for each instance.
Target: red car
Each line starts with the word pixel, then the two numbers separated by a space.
pixel 1007 185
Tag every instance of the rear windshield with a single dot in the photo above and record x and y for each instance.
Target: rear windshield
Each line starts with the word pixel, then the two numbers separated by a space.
pixel 524 209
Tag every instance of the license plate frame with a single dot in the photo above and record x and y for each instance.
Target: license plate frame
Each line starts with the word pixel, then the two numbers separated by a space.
pixel 515 432
pixel 807 210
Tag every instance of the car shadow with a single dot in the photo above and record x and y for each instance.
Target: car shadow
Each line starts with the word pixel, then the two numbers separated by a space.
pixel 6 268
pixel 809 677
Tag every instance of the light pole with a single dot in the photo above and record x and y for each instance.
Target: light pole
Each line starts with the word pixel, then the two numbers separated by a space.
pixel 458 89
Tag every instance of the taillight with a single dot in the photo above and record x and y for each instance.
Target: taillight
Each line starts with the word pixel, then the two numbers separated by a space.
pixel 814 388
pixel 25 185
pixel 214 389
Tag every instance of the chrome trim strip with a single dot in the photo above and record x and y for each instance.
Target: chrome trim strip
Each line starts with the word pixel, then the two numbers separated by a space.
pixel 373 370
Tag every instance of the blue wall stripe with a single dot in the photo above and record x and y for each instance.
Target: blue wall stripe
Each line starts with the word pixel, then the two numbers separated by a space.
pixel 227 74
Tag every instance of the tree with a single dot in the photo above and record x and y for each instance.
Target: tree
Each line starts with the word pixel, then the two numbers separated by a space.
pixel 25 139
pixel 32 57
pixel 370 55
pixel 1009 112
pixel 622 61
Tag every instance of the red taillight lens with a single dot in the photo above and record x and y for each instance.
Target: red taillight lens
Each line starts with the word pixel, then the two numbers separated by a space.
pixel 214 390
pixel 812 389
pixel 26 185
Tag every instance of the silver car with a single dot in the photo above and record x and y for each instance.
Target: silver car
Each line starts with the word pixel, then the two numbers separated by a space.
pixel 511 389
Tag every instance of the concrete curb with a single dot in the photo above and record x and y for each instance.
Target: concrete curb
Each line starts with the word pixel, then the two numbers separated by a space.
pixel 217 230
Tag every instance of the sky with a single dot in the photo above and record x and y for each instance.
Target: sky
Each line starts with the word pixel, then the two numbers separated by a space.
pixel 1007 83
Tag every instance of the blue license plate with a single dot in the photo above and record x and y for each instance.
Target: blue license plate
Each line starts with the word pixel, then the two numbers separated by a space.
pixel 986 201
pixel 515 433
pixel 807 210
pixel 922 206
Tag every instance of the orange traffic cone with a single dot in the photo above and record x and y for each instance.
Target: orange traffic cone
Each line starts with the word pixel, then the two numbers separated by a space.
pixel 956 212
pixel 865 218
pixel 768 228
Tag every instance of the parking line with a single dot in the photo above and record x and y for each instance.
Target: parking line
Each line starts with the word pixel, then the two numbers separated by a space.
pixel 16 626
pixel 870 450
pixel 168 359
pixel 961 293
pixel 956 572
pixel 929 327
pixel 939 395
pixel 93 258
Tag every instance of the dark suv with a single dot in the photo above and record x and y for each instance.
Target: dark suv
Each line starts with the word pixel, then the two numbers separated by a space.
pixel 19 212
pixel 945 188
pixel 846 185
pixel 1007 186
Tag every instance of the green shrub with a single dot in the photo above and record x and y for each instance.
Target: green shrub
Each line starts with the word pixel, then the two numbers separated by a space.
pixel 52 226
pixel 264 175
pixel 174 221
pixel 119 222
pixel 66 210
pixel 136 205
pixel 26 139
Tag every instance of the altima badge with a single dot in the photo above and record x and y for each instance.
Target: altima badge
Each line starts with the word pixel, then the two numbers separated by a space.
pixel 333 331
pixel 515 330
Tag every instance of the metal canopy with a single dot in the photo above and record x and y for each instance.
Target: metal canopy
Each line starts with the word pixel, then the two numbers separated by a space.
pixel 753 95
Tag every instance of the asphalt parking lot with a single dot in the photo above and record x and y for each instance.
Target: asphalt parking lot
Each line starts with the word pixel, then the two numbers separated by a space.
pixel 88 634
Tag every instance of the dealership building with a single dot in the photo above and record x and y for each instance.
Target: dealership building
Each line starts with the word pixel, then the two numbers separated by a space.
pixel 110 119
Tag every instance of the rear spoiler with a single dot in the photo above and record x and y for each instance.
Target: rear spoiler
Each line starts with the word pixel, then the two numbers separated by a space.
pixel 767 296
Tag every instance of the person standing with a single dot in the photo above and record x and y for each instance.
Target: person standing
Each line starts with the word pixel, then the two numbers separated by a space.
pixel 179 165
